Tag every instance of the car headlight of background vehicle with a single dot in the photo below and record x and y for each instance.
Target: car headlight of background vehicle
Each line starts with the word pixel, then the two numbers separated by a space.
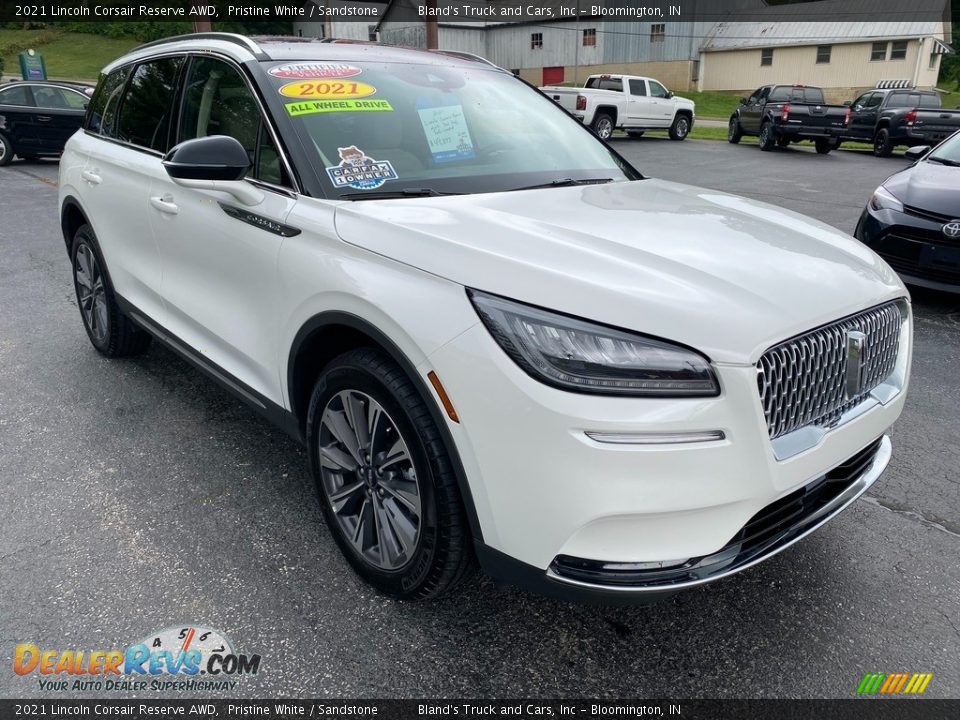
pixel 582 356
pixel 883 199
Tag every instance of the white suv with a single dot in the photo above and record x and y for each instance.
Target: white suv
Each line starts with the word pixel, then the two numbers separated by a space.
pixel 496 338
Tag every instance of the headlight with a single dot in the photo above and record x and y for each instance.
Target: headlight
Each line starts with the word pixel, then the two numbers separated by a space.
pixel 582 356
pixel 883 199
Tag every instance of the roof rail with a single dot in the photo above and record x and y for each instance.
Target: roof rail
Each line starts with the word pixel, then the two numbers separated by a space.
pixel 465 56
pixel 234 38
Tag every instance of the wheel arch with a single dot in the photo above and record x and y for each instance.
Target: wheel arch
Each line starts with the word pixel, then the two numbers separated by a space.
pixel 328 334
pixel 610 110
pixel 72 216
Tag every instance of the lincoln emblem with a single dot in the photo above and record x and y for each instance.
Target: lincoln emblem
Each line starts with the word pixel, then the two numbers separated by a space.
pixel 855 345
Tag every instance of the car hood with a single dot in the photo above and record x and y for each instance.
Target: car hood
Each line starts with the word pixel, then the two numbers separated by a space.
pixel 928 186
pixel 726 275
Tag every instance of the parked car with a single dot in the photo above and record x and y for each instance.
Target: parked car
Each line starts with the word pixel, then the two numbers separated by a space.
pixel 36 118
pixel 891 118
pixel 494 336
pixel 913 218
pixel 629 102
pixel 782 114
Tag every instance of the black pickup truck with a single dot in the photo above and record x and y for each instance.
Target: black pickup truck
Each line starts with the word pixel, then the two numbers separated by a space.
pixel 781 114
pixel 888 118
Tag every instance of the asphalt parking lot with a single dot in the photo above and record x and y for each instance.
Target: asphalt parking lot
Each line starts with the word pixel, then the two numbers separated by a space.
pixel 136 495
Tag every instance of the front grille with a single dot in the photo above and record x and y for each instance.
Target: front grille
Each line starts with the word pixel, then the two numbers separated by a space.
pixel 927 272
pixel 926 214
pixel 770 530
pixel 802 381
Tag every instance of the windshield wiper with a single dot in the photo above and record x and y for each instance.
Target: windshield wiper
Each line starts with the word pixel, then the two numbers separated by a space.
pixel 943 161
pixel 564 182
pixel 393 194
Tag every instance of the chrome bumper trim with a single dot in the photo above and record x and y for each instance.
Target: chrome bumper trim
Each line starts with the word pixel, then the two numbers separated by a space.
pixel 809 524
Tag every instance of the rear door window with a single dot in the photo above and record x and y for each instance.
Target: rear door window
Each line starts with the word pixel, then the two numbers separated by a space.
pixel 638 87
pixel 102 112
pixel 148 104
pixel 57 98
pixel 16 95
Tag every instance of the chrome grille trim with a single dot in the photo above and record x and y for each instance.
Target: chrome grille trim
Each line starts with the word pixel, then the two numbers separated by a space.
pixel 802 380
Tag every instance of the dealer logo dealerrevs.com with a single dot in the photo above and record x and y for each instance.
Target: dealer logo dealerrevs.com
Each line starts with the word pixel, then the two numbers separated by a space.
pixel 174 659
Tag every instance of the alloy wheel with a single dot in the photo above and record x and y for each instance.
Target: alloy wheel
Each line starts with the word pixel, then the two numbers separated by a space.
pixel 369 479
pixel 683 127
pixel 3 149
pixel 604 129
pixel 91 292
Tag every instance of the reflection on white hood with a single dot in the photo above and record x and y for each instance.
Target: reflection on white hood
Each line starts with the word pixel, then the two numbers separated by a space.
pixel 726 275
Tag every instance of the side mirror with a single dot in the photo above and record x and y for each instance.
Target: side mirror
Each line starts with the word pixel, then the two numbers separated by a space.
pixel 215 162
pixel 916 152
pixel 848 103
pixel 743 101
pixel 669 94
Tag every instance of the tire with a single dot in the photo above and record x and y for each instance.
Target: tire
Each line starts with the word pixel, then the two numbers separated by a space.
pixel 768 137
pixel 110 331
pixel 680 127
pixel 734 131
pixel 602 125
pixel 7 150
pixel 783 141
pixel 636 133
pixel 823 146
pixel 882 144
pixel 414 540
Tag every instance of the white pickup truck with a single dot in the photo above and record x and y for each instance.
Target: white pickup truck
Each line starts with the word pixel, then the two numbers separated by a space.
pixel 630 102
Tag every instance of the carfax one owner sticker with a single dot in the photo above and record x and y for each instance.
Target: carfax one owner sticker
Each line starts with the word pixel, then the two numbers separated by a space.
pixel 175 659
pixel 358 171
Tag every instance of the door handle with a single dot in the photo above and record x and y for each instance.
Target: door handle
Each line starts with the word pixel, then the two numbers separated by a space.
pixel 165 204
pixel 91 177
pixel 44 118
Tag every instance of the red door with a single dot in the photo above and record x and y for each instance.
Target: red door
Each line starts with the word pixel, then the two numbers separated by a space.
pixel 552 75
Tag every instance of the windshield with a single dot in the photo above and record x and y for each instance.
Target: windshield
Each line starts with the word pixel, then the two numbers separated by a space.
pixel 948 151
pixel 397 127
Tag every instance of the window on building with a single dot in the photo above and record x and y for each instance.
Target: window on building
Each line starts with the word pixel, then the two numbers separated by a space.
pixel 878 51
pixel 823 54
pixel 898 50
pixel 658 31
pixel 590 37
pixel 536 41
pixel 933 61
pixel 147 104
pixel 766 56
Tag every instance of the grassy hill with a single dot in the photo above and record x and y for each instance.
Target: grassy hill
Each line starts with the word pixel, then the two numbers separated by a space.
pixel 68 56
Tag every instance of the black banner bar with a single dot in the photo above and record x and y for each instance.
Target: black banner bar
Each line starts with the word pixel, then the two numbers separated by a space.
pixel 472 11
pixel 856 709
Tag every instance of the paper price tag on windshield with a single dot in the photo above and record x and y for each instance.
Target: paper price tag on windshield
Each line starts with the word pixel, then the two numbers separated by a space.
pixel 447 133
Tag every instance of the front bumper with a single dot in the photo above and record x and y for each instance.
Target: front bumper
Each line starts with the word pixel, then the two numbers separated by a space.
pixel 545 491
pixel 914 246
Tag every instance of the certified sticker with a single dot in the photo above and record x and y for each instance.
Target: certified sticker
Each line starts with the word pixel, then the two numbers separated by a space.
pixel 359 171
pixel 334 89
pixel 316 71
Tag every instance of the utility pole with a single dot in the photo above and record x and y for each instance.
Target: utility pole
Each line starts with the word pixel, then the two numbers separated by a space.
pixel 431 25
pixel 200 25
